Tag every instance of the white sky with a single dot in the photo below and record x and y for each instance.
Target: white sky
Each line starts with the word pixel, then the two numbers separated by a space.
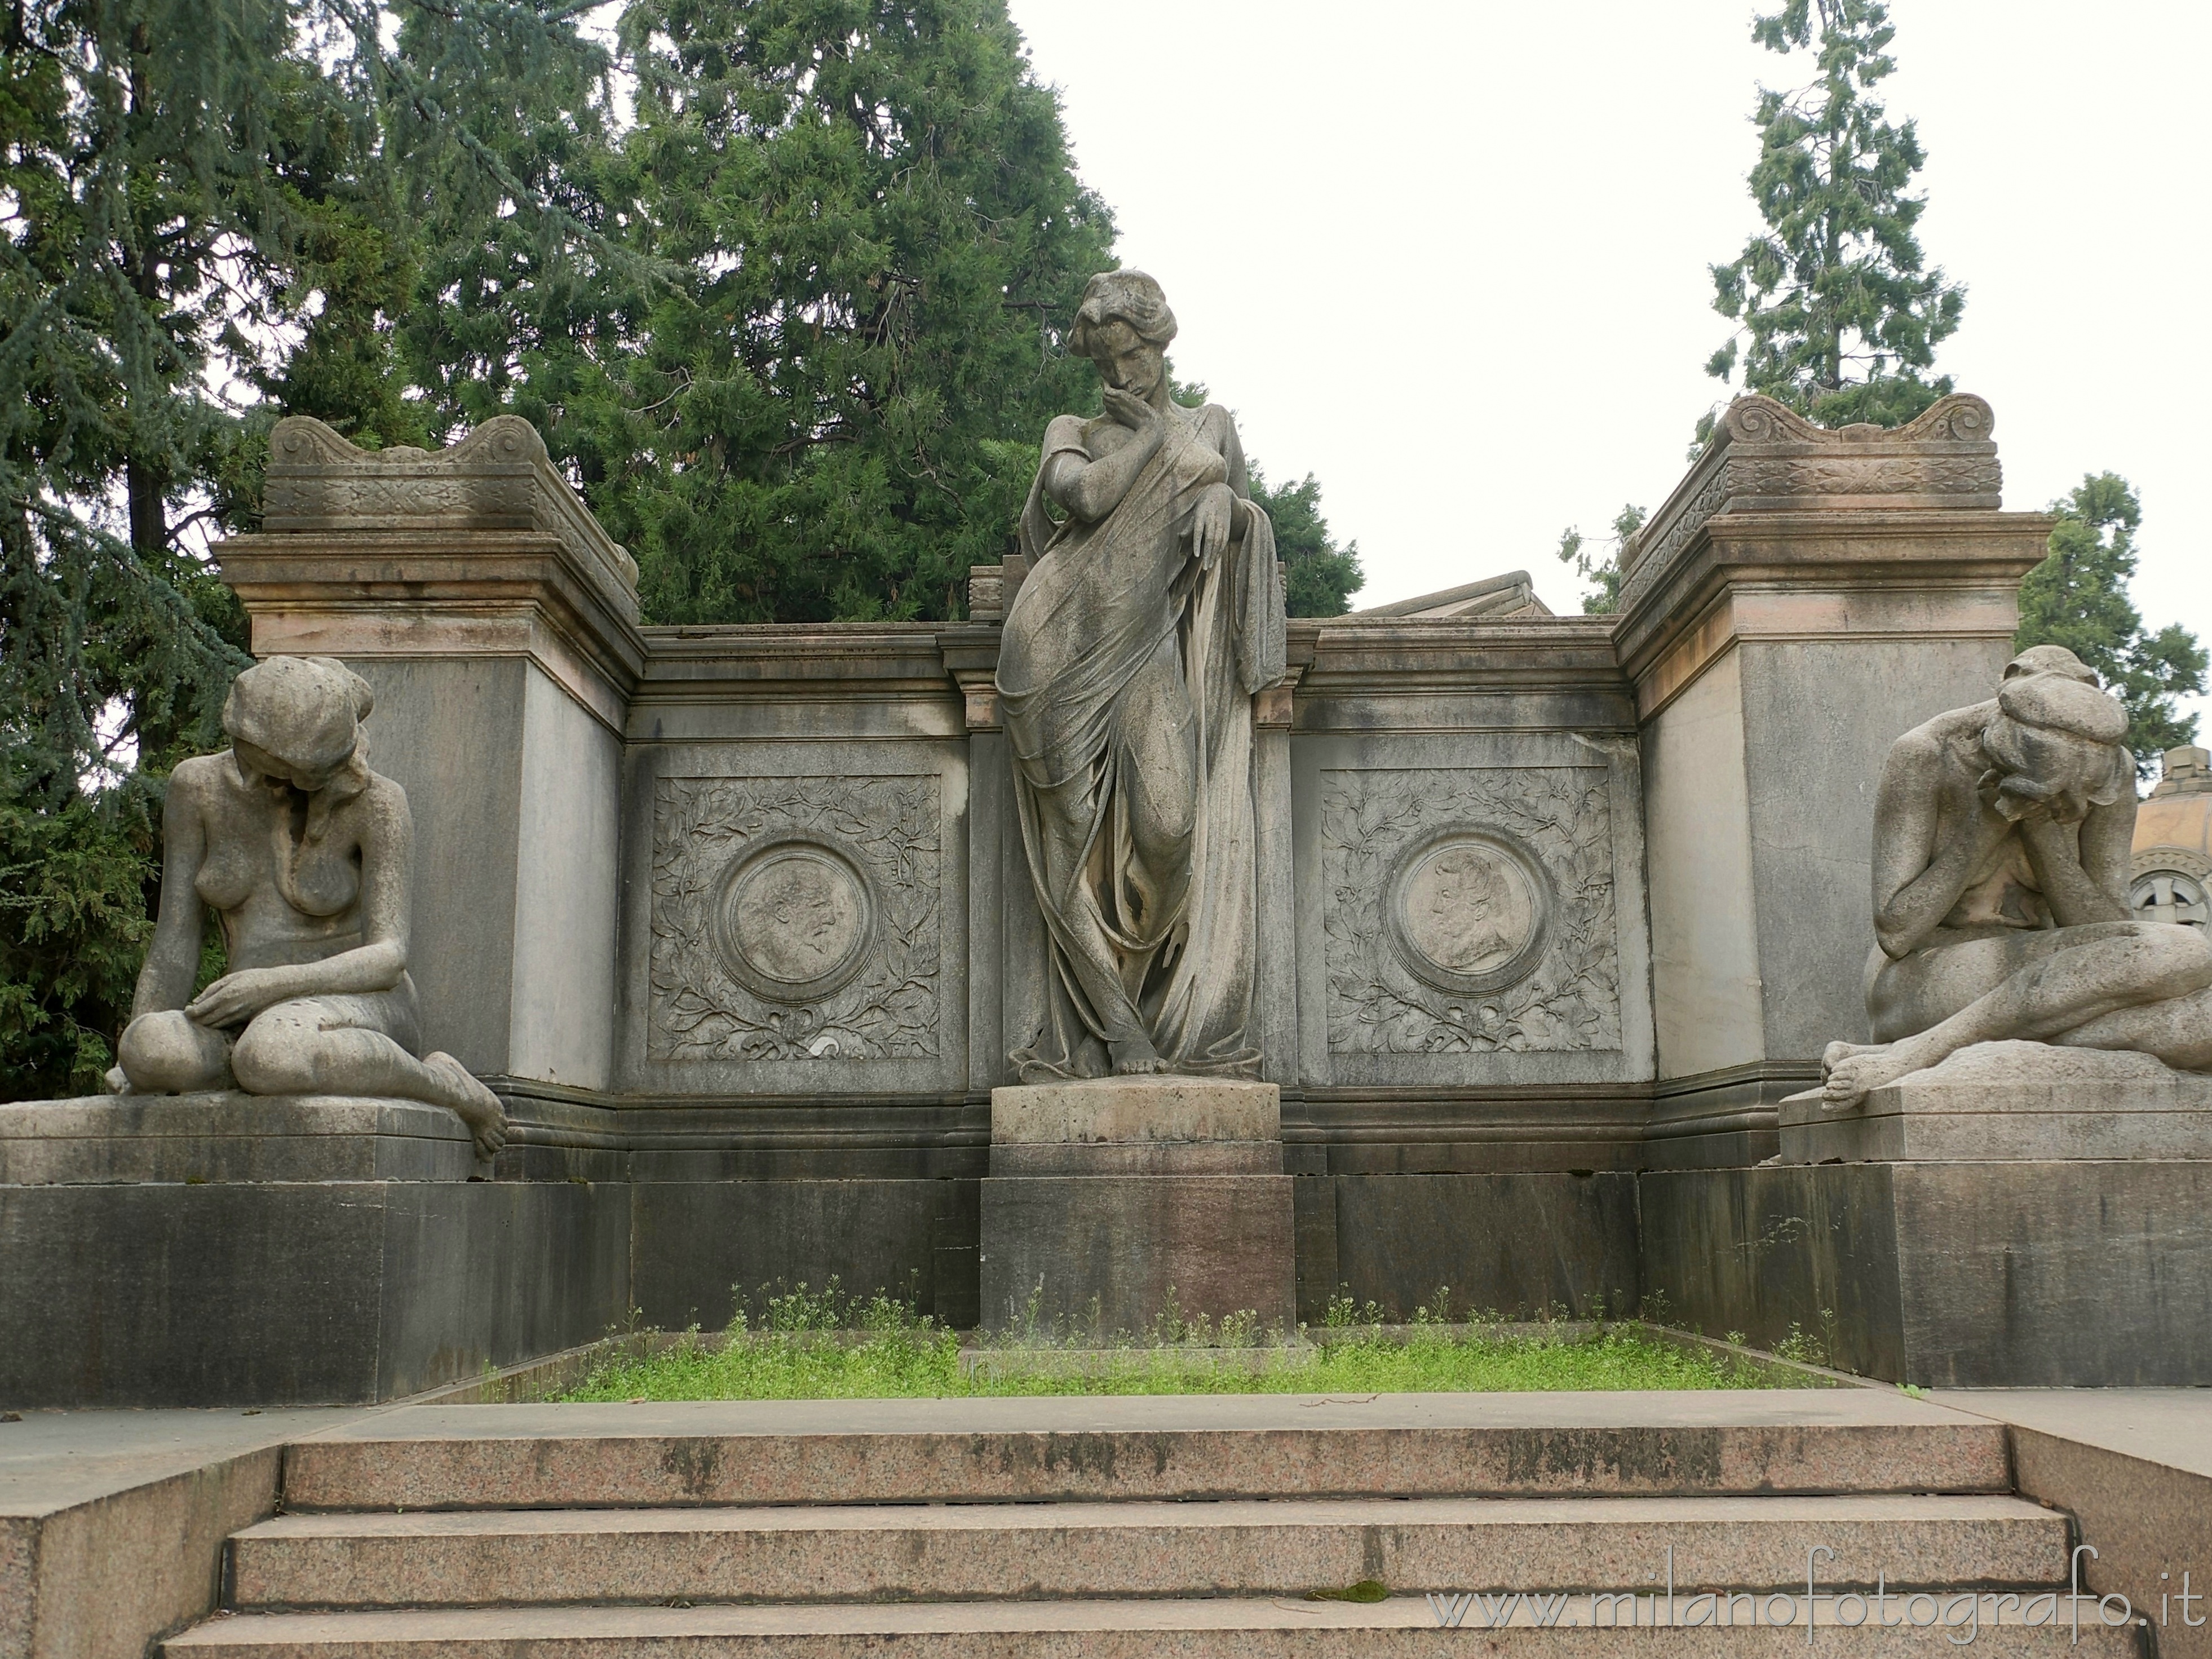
pixel 1451 258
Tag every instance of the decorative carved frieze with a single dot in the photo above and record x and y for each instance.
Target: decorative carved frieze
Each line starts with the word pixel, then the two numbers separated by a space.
pixel 795 918
pixel 1469 911
pixel 1763 457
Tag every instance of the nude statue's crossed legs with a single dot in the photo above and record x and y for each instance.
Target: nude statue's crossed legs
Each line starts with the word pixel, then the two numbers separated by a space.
pixel 2144 986
pixel 305 1047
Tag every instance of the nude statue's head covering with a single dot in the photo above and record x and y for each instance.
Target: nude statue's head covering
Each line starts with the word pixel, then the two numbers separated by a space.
pixel 2057 737
pixel 1120 296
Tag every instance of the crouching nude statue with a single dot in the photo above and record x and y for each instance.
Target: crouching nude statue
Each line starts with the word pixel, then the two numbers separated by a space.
pixel 304 855
pixel 2002 835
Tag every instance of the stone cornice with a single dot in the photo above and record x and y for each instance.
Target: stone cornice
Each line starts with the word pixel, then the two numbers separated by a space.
pixel 481 593
pixel 1868 574
pixel 1764 458
pixel 498 477
pixel 482 549
pixel 1345 655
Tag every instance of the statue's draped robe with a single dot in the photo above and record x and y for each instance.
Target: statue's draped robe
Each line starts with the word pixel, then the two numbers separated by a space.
pixel 1099 600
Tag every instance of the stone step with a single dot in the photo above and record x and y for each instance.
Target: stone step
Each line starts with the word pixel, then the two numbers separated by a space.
pixel 975 1551
pixel 1246 1628
pixel 717 1453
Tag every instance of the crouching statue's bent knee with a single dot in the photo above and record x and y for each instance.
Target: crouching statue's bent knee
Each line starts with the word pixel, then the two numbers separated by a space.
pixel 305 856
pixel 2001 859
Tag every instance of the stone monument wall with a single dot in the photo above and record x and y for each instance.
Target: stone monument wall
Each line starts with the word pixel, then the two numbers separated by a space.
pixel 738 920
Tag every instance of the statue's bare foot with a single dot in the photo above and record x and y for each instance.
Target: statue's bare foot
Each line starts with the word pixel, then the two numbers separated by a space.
pixel 1135 1058
pixel 478 1107
pixel 1855 1070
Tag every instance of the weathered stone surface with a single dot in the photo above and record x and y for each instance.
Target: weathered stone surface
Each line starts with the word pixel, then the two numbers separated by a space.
pixel 1062 1448
pixel 796 919
pixel 1104 1111
pixel 1803 596
pixel 701 1249
pixel 1104 1254
pixel 229 1136
pixel 1765 457
pixel 499 477
pixel 2134 1469
pixel 2013 1100
pixel 1282 1547
pixel 1157 1628
pixel 1470 911
pixel 1526 1245
pixel 290 1293
pixel 1115 1200
pixel 2079 1274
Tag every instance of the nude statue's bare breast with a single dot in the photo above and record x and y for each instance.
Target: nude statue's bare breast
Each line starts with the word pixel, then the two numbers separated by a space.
pixel 282 899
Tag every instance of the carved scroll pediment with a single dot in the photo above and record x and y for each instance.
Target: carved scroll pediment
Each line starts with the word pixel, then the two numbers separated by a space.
pixel 1764 457
pixel 500 476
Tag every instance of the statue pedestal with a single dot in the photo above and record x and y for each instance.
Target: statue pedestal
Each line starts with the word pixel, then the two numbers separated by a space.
pixel 2021 1216
pixel 1109 1202
pixel 2005 1102
pixel 232 1249
pixel 226 1137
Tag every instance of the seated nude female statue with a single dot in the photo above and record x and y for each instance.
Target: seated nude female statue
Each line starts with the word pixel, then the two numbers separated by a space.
pixel 304 855
pixel 2001 853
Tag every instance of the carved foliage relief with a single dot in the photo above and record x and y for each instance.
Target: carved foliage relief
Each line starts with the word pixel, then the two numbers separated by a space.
pixel 795 918
pixel 1469 912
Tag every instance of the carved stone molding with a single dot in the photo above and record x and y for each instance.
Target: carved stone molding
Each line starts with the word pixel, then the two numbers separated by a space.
pixel 1763 457
pixel 498 477
pixel 795 918
pixel 1469 911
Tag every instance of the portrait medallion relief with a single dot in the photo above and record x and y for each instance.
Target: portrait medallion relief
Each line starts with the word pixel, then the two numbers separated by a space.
pixel 794 921
pixel 1466 911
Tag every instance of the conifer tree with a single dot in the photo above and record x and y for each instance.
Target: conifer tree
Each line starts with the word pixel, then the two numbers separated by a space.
pixel 1837 317
pixel 835 413
pixel 1319 577
pixel 1602 569
pixel 2078 598
pixel 200 230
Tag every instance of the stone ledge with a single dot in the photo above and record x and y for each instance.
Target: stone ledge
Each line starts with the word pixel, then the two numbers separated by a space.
pixel 1124 1110
pixel 226 1137
pixel 2011 1101
pixel 1140 1158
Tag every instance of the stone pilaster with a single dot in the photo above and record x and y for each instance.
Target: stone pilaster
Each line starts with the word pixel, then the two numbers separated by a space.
pixel 498 625
pixel 1801 599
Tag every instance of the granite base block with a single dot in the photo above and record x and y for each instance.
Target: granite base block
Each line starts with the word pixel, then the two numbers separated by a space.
pixel 2080 1274
pixel 1110 1253
pixel 281 1292
pixel 1114 1202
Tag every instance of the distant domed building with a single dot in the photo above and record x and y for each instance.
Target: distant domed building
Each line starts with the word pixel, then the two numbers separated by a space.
pixel 2172 869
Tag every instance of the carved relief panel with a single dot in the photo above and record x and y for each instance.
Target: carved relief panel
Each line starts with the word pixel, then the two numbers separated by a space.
pixel 1469 911
pixel 795 919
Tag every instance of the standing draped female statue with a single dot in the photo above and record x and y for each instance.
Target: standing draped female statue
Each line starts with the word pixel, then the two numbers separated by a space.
pixel 1151 615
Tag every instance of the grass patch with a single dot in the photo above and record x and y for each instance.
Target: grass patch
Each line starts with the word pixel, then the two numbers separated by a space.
pixel 827 1348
